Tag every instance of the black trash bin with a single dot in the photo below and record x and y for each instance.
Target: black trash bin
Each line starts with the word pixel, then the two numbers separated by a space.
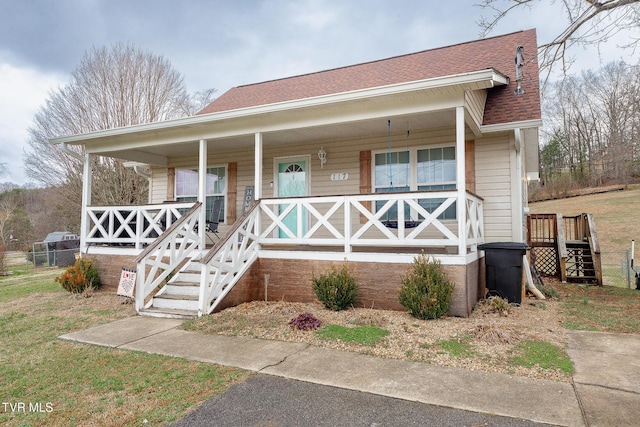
pixel 503 262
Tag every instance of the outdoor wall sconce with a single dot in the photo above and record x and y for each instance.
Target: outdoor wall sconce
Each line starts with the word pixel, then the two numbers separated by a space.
pixel 322 155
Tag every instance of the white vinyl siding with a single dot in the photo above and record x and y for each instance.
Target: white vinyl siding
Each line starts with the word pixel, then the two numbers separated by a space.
pixel 494 185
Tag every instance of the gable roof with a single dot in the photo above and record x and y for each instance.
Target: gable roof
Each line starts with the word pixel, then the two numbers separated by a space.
pixel 502 106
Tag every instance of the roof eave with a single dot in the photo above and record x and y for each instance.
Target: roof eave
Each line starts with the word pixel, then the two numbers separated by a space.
pixel 482 79
pixel 502 127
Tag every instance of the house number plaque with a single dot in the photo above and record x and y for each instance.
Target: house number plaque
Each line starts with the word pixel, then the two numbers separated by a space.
pixel 343 176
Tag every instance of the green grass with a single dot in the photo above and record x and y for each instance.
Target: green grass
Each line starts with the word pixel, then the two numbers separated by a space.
pixel 22 281
pixel 364 335
pixel 458 347
pixel 84 384
pixel 600 308
pixel 543 354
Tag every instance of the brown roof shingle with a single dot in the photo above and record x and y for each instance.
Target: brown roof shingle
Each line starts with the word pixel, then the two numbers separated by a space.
pixel 498 52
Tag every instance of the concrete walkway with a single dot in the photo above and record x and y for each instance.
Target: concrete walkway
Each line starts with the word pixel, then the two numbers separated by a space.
pixel 606 390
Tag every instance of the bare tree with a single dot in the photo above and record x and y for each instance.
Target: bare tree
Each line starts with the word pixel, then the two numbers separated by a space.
pixel 111 87
pixel 595 119
pixel 589 22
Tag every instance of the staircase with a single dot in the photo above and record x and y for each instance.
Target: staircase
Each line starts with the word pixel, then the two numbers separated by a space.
pixel 566 247
pixel 579 264
pixel 196 283
pixel 178 299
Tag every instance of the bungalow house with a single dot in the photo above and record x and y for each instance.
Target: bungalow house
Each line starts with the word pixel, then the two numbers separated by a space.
pixel 368 164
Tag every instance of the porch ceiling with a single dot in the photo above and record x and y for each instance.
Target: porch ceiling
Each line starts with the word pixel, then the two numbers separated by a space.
pixel 300 136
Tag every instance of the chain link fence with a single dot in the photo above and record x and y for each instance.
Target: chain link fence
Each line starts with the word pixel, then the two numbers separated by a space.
pixel 41 257
pixel 616 269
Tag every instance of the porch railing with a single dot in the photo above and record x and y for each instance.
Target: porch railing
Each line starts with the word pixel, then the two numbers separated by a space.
pixel 228 260
pixel 422 219
pixel 167 252
pixel 131 225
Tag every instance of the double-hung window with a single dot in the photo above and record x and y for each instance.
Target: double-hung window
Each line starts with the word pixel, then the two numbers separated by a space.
pixel 216 188
pixel 416 169
pixel 436 170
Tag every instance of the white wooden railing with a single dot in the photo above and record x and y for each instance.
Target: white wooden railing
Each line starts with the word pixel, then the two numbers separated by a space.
pixel 131 225
pixel 179 242
pixel 385 219
pixel 228 260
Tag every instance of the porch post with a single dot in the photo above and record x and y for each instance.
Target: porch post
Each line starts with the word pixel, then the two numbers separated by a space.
pixel 257 176
pixel 202 192
pixel 87 171
pixel 257 191
pixel 461 205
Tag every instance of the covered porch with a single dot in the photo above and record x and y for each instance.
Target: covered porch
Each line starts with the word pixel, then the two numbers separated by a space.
pixel 398 178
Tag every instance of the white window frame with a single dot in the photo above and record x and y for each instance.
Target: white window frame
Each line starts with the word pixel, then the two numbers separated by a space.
pixel 413 168
pixel 195 196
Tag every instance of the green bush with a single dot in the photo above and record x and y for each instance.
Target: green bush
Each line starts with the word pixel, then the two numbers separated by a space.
pixel 81 276
pixel 426 292
pixel 336 289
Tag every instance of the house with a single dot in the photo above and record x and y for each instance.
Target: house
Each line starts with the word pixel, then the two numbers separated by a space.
pixel 370 164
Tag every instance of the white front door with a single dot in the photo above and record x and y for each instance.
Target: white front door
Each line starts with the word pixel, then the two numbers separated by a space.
pixel 292 180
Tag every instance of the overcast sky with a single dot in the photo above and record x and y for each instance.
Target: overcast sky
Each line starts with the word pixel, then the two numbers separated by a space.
pixel 220 44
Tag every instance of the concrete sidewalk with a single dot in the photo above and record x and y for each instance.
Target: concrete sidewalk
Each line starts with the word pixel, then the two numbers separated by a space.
pixel 605 392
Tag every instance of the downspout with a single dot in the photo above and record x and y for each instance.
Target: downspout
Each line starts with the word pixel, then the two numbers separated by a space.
pixel 65 149
pixel 147 175
pixel 520 206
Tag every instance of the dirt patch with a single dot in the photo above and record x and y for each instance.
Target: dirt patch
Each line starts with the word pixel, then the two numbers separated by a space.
pixel 488 337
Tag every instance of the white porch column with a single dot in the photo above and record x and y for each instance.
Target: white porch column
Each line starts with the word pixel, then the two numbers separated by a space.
pixel 461 185
pixel 257 191
pixel 87 171
pixel 257 174
pixel 202 191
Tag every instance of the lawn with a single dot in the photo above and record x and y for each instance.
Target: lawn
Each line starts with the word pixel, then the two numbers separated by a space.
pixel 47 381
pixel 616 214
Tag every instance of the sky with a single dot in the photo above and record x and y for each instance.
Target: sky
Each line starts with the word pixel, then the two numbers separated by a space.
pixel 221 44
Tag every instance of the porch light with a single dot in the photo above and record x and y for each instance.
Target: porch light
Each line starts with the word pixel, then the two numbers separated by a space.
pixel 322 155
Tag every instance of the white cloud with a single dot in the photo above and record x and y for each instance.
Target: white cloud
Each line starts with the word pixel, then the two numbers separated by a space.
pixel 23 91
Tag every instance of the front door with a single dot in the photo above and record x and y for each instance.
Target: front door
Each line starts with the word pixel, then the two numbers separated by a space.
pixel 292 181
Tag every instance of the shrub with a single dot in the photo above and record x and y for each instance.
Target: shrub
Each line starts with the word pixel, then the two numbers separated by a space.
pixel 336 289
pixel 426 292
pixel 305 322
pixel 80 277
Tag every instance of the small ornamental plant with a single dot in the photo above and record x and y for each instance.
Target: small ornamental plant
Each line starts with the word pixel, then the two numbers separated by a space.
pixel 305 322
pixel 336 289
pixel 426 291
pixel 80 277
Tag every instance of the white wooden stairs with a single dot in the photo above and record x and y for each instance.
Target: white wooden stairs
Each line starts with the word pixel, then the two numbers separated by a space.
pixel 179 297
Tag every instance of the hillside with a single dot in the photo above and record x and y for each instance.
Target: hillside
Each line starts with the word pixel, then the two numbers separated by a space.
pixel 617 215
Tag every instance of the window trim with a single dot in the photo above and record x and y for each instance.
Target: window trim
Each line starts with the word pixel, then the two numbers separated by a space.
pixel 413 169
pixel 224 194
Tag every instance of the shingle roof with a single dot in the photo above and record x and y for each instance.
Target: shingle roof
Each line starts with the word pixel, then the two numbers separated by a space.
pixel 498 52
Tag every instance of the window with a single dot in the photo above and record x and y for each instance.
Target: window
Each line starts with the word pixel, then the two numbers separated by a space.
pixel 437 171
pixel 422 169
pixel 187 187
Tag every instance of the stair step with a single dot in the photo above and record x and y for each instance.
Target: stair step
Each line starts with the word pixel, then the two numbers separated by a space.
pixel 181 289
pixel 177 297
pixel 176 302
pixel 169 313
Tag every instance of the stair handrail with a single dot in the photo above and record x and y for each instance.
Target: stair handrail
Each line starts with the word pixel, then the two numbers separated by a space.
pixel 167 244
pixel 561 244
pixel 225 263
pixel 594 245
